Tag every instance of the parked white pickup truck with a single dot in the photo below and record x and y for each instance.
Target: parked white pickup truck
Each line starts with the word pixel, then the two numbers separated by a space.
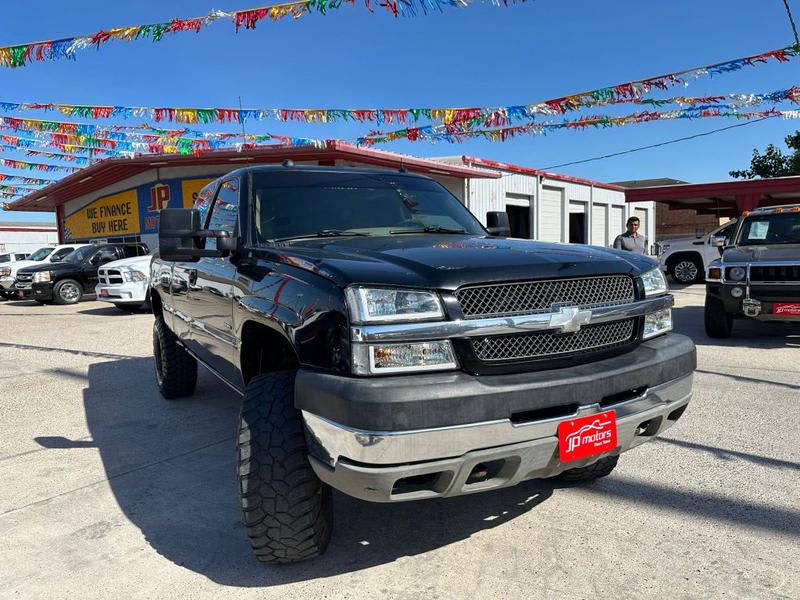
pixel 686 259
pixel 125 282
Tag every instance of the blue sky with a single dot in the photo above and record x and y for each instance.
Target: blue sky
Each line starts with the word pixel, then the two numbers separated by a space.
pixel 477 56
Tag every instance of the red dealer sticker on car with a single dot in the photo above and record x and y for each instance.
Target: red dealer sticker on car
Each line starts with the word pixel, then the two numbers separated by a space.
pixel 587 436
pixel 786 310
pixel 104 292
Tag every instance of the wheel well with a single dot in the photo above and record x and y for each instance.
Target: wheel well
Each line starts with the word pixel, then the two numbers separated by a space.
pixel 684 255
pixel 264 350
pixel 155 304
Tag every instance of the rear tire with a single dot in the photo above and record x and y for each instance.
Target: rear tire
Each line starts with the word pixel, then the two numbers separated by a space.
pixel 176 369
pixel 67 291
pixel 686 270
pixel 288 511
pixel 719 324
pixel 596 470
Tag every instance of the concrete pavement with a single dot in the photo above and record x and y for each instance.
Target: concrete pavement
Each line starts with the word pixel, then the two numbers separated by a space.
pixel 107 490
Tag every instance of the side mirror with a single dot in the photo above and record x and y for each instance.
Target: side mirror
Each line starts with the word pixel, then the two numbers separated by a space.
pixel 719 241
pixel 57 258
pixel 178 232
pixel 497 223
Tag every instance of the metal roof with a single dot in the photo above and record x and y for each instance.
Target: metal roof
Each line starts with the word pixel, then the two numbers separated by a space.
pixel 725 199
pixel 113 170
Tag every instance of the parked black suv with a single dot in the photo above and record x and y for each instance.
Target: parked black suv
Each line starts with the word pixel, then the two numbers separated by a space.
pixel 67 281
pixel 389 346
pixel 758 274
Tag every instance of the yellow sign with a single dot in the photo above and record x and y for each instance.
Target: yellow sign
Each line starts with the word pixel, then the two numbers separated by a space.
pixel 190 188
pixel 110 216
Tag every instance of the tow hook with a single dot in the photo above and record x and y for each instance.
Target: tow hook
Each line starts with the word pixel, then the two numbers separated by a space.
pixel 752 308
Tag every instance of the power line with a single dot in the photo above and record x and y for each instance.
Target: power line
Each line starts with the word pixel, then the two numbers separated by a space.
pixel 632 150
pixel 791 20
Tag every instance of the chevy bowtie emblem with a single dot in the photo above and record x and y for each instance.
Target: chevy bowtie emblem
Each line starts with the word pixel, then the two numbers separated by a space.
pixel 569 319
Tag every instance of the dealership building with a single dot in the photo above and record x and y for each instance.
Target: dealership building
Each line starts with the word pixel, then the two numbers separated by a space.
pixel 119 199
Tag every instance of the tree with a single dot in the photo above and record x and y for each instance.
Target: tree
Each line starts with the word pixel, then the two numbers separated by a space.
pixel 773 162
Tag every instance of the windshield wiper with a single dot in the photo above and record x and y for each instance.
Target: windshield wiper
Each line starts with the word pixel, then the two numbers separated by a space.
pixel 429 229
pixel 323 233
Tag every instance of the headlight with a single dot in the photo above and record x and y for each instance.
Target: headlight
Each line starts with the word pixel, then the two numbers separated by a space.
pixel 133 275
pixel 657 323
pixel 42 276
pixel 737 273
pixel 5 271
pixel 376 359
pixel 371 305
pixel 655 283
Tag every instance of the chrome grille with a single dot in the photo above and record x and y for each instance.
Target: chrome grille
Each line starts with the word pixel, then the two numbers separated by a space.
pixel 508 299
pixel 528 346
pixel 109 276
pixel 24 277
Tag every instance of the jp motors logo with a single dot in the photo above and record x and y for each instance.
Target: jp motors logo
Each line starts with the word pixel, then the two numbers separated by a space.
pixel 159 197
pixel 592 433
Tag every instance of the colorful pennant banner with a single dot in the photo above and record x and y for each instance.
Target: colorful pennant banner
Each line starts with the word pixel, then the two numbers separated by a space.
pixel 22 165
pixel 631 92
pixel 66 48
pixel 27 180
pixel 455 133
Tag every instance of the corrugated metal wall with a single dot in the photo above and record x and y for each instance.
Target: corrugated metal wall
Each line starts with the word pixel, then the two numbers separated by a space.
pixel 491 194
pixel 551 215
pixel 599 225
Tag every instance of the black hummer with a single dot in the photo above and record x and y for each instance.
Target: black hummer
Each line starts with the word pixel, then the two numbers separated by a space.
pixel 758 274
pixel 389 346
pixel 66 282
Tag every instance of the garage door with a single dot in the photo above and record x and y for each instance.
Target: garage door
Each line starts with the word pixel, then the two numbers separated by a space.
pixel 617 221
pixel 600 225
pixel 642 214
pixel 550 216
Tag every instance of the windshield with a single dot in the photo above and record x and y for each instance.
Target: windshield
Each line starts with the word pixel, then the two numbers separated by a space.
pixel 5 258
pixel 40 254
pixel 80 255
pixel 310 204
pixel 770 229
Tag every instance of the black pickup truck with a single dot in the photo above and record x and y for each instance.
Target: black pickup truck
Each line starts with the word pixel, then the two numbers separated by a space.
pixel 387 345
pixel 67 281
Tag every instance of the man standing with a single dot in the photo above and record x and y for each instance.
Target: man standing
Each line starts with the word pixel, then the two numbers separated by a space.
pixel 632 240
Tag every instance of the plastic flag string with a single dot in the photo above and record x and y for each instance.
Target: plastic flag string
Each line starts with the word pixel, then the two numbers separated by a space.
pixel 7 177
pixel 455 134
pixel 20 164
pixel 20 55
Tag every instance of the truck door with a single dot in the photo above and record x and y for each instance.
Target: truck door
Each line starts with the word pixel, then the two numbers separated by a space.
pixel 210 290
pixel 178 279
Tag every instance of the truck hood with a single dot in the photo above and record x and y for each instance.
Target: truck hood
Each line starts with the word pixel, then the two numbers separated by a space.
pixel 682 240
pixel 749 254
pixel 22 264
pixel 450 261
pixel 56 267
pixel 140 263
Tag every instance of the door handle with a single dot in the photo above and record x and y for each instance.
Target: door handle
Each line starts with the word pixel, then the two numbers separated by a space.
pixel 192 277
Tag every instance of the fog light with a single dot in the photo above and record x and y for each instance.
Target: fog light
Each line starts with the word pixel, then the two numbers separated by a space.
pixel 376 359
pixel 737 292
pixel 657 323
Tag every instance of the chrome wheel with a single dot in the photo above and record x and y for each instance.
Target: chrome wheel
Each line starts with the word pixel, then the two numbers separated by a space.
pixel 685 271
pixel 69 292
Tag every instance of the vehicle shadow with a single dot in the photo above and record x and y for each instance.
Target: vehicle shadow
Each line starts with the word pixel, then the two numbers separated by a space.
pixel 170 466
pixel 689 320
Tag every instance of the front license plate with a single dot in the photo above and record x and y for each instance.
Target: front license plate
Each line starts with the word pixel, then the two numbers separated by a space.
pixel 587 436
pixel 104 292
pixel 786 310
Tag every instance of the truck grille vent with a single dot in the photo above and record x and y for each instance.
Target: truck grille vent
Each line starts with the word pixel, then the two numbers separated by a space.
pixel 24 277
pixel 527 346
pixel 509 299
pixel 109 276
pixel 775 273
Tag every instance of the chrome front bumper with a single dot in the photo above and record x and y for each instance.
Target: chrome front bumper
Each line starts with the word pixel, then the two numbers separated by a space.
pixel 368 464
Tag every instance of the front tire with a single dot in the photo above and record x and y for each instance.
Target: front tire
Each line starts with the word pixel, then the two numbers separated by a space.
pixel 686 270
pixel 176 369
pixel 719 324
pixel 596 470
pixel 67 291
pixel 288 511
